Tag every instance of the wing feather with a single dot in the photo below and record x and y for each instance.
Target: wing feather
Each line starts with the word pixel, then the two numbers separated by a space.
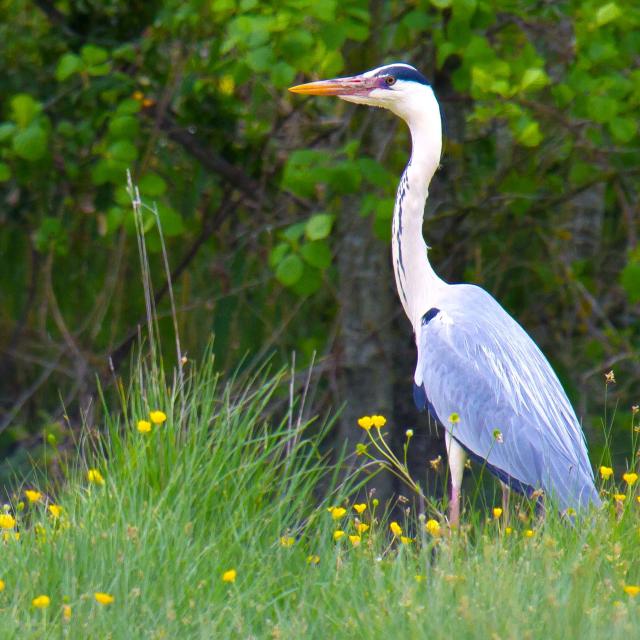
pixel 475 360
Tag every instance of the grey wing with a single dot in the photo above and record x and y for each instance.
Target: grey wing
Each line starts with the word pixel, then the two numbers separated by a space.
pixel 477 361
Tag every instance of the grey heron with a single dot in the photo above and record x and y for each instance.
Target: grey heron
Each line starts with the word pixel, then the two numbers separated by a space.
pixel 478 372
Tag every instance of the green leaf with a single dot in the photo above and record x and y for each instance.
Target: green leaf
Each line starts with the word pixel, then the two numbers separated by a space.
pixel 441 4
pixel 68 64
pixel 623 129
pixel 124 127
pixel 123 151
pixel 99 69
pixel 261 59
pixel 289 270
pixel 294 232
pixel 319 226
pixel 529 135
pixel 278 253
pixel 5 172
pixel 317 254
pixel 93 55
pixel 171 221
pixel 7 129
pixel 128 106
pixel 608 13
pixel 30 144
pixel 309 282
pixel 630 278
pixel 24 109
pixel 282 75
pixel 602 108
pixel 533 79
pixel 152 185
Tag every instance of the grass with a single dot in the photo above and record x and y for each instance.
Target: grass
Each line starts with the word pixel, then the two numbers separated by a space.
pixel 219 486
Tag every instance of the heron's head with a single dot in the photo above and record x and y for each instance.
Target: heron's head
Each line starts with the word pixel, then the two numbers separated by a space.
pixel 397 87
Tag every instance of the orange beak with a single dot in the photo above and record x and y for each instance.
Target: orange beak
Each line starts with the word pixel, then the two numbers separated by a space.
pixel 355 85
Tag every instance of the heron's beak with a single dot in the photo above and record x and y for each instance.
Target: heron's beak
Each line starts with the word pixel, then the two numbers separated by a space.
pixel 355 85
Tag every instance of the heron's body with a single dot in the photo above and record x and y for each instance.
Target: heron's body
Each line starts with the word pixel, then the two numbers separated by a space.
pixel 474 360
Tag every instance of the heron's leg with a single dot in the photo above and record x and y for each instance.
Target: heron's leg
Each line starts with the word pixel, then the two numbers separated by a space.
pixel 506 492
pixel 456 458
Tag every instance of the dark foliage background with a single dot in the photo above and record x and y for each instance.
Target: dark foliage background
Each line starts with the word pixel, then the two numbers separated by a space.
pixel 276 209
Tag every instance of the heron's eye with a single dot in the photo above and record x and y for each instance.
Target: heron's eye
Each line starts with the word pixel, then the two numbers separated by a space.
pixel 389 81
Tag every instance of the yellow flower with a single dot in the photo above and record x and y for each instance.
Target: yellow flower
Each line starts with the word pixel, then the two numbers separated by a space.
pixel 157 417
pixel 365 422
pixel 287 541
pixel 2 585
pixel 454 418
pixel 143 426
pixel 497 512
pixel 433 527
pixel 229 576
pixel 41 602
pixel 409 434
pixel 355 540
pixel 337 534
pixel 362 527
pixel 396 529
pixel 32 495
pixel 606 472
pixel 508 531
pixel 406 540
pixel 419 578
pixel 6 536
pixel 375 502
pixel 66 612
pixel 632 589
pixel 378 421
pixel 360 508
pixel 95 477
pixel 638 498
pixel 7 521
pixel 529 533
pixel 630 478
pixel 619 497
pixel 103 598
pixel 337 512
pixel 55 510
pixel 313 559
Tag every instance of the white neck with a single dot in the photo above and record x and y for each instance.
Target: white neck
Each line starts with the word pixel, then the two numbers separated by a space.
pixel 416 281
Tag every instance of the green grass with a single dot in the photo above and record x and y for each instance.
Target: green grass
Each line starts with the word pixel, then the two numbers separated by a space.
pixel 218 485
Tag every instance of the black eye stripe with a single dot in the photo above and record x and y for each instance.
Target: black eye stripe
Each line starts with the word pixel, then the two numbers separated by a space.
pixel 400 72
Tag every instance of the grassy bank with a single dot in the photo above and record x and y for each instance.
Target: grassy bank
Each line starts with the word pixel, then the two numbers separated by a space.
pixel 208 524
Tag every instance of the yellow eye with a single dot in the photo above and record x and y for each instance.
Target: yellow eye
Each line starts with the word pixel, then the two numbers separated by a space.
pixel 390 81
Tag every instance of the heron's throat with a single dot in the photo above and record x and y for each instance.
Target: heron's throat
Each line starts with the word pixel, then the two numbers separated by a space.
pixel 416 281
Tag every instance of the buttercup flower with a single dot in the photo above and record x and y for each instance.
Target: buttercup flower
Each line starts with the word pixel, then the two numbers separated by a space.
pixel 229 576
pixel 360 508
pixel 157 417
pixel 619 497
pixel 355 540
pixel 362 527
pixel 433 527
pixel 630 478
pixel 409 433
pixel 143 426
pixel 337 512
pixel 632 589
pixel 337 534
pixel 529 533
pixel 103 598
pixel 313 559
pixel 66 612
pixel 454 418
pixel 606 472
pixel 378 421
pixel 396 529
pixel 2 585
pixel 287 541
pixel 406 540
pixel 33 495
pixel 508 531
pixel 95 477
pixel 41 602
pixel 55 510
pixel 7 521
pixel 497 512
pixel 365 422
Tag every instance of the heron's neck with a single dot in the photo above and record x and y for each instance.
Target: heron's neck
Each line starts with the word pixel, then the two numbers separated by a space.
pixel 416 281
